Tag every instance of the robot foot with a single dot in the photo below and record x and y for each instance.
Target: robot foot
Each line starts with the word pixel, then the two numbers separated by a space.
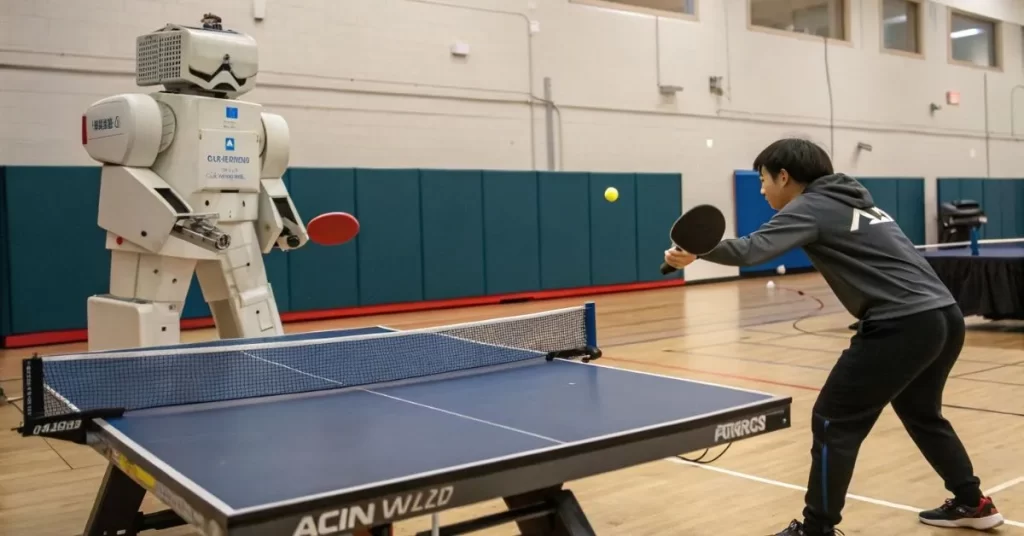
pixel 117 323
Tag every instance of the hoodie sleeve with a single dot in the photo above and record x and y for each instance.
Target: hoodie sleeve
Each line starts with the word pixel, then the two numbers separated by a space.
pixel 792 227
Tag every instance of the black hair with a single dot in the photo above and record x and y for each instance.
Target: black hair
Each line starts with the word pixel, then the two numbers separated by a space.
pixel 804 160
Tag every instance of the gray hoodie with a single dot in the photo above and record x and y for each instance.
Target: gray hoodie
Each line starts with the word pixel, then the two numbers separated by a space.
pixel 872 267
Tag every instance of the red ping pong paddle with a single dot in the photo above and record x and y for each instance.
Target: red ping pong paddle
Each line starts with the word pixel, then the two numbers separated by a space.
pixel 332 228
pixel 697 232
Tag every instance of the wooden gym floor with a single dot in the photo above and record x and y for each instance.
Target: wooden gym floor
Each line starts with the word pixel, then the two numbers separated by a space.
pixel 736 333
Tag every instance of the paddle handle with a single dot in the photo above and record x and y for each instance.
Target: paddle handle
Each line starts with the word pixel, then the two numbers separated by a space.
pixel 666 268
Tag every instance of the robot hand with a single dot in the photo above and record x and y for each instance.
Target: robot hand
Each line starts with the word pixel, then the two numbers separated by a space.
pixel 278 224
pixel 293 235
pixel 201 230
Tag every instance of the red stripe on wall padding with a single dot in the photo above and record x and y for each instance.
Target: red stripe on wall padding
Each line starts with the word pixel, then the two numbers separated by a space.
pixel 80 335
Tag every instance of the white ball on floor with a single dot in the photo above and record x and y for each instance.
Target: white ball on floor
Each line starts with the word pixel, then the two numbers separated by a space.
pixel 781 269
pixel 771 284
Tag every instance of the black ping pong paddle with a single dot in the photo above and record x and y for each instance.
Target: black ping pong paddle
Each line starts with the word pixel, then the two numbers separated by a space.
pixel 698 232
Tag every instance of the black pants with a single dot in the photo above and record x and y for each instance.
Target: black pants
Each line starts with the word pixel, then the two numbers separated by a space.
pixel 903 361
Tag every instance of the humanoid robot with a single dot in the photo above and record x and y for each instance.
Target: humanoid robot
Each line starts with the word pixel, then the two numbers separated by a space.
pixel 191 183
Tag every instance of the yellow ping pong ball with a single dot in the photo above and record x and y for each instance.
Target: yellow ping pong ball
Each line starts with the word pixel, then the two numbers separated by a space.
pixel 611 194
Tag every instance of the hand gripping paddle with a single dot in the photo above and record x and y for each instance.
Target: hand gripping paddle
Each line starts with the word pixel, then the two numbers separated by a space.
pixel 332 228
pixel 698 232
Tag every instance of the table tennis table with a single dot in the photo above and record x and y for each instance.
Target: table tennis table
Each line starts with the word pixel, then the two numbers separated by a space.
pixel 1009 250
pixel 986 277
pixel 350 431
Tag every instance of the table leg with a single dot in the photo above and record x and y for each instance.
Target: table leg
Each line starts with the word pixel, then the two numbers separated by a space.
pixel 116 507
pixel 382 530
pixel 568 518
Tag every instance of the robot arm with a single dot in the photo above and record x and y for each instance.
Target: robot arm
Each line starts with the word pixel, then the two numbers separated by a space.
pixel 126 133
pixel 278 223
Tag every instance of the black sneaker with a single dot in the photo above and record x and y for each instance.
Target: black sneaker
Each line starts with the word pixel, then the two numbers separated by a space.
pixel 796 528
pixel 984 516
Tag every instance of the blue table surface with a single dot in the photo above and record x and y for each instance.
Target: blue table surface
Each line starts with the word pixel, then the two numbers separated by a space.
pixel 989 251
pixel 261 451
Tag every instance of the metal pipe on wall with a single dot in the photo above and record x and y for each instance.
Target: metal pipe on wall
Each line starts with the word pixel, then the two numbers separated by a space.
pixel 657 49
pixel 988 135
pixel 549 123
pixel 529 63
pixel 1013 128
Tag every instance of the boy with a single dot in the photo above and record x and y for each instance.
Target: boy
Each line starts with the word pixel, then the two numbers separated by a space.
pixel 910 334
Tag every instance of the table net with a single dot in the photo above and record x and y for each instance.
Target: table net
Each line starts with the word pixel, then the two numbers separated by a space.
pixel 191 373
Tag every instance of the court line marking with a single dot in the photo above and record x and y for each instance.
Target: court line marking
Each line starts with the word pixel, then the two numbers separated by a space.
pixel 1005 485
pixel 795 487
pixel 455 414
pixel 372 392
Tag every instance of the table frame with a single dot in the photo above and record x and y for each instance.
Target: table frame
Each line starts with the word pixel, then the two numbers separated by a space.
pixel 531 484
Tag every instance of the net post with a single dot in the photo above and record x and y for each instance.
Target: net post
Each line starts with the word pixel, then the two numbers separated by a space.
pixel 590 322
pixel 32 387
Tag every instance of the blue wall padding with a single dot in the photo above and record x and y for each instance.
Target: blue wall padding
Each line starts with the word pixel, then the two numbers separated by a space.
pixel 5 281
pixel 613 258
pixel 390 236
pixel 981 191
pixel 993 193
pixel 911 209
pixel 195 306
pixel 1003 193
pixel 886 194
pixel 1019 206
pixel 453 236
pixel 903 199
pixel 321 277
pixel 57 253
pixel 659 198
pixel 947 190
pixel 564 230
pixel 424 235
pixel 752 211
pixel 1011 213
pixel 1000 199
pixel 512 231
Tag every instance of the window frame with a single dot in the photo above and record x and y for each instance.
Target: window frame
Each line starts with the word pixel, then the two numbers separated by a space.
pixel 997 40
pixel 847 26
pixel 921 29
pixel 619 6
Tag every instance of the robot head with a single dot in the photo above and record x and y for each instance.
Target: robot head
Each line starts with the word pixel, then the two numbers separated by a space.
pixel 208 60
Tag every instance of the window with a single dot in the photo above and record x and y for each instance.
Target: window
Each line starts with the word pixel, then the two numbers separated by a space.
pixel 823 18
pixel 901 25
pixel 657 7
pixel 973 40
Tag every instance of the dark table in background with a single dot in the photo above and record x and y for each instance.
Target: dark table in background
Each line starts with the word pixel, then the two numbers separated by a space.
pixel 989 284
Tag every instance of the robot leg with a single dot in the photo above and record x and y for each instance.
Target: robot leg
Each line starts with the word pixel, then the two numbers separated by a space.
pixel 237 290
pixel 143 308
